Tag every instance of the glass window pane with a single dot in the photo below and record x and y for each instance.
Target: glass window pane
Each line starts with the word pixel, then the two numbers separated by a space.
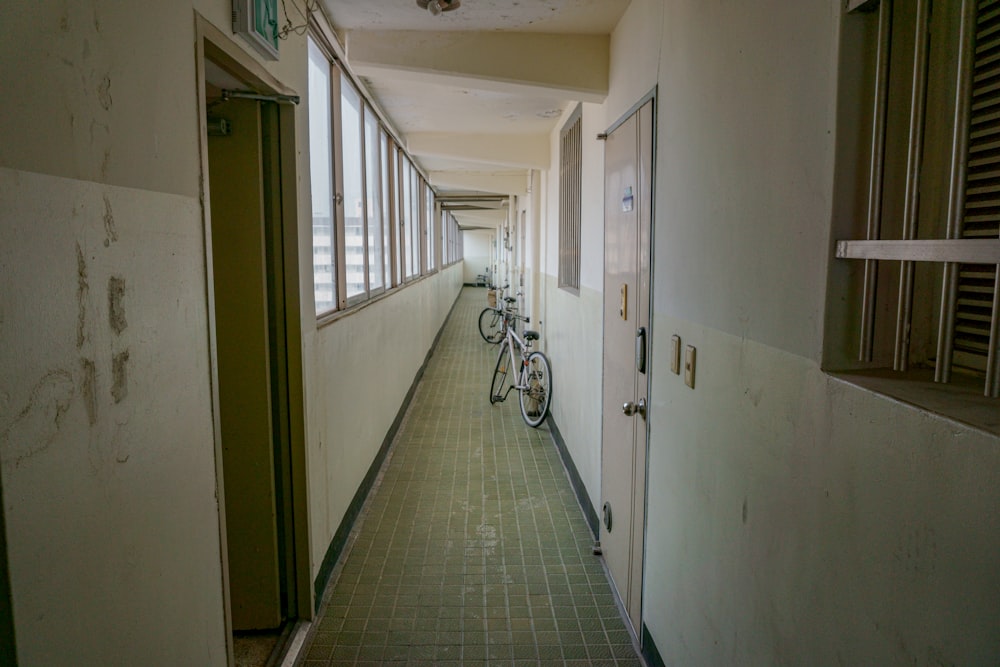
pixel 399 194
pixel 407 211
pixel 373 201
pixel 354 222
pixel 443 221
pixel 414 222
pixel 321 179
pixel 386 217
pixel 431 229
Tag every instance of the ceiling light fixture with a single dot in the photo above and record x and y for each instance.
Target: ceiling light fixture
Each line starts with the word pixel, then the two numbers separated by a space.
pixel 435 7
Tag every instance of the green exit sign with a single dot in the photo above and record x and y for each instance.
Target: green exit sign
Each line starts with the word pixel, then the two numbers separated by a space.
pixel 257 21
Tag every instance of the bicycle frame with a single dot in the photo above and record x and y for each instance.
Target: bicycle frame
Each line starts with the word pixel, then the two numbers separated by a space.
pixel 494 320
pixel 523 350
pixel 532 377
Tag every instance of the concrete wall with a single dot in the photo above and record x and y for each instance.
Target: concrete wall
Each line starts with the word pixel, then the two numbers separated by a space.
pixel 106 430
pixel 793 518
pixel 360 368
pixel 573 328
pixel 107 441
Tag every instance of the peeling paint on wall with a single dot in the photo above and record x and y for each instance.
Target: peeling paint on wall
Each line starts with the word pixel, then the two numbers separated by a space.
pixel 82 290
pixel 119 373
pixel 116 309
pixel 105 167
pixel 35 427
pixel 104 93
pixel 89 389
pixel 110 231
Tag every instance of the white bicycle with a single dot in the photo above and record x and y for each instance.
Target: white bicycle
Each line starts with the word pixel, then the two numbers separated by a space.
pixel 525 370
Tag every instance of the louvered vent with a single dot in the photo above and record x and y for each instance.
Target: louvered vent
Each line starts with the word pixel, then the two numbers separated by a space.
pixel 570 200
pixel 977 283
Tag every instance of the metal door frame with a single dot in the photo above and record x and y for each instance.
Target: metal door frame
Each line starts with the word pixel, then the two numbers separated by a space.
pixel 212 44
pixel 651 96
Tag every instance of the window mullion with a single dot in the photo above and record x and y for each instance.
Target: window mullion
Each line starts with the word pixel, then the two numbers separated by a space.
pixel 362 136
pixel 338 187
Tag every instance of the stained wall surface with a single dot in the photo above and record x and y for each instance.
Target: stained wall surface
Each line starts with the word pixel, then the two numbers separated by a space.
pixel 106 428
pixel 107 436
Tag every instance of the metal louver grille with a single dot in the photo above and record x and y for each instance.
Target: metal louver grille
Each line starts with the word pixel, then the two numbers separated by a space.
pixel 977 283
pixel 570 179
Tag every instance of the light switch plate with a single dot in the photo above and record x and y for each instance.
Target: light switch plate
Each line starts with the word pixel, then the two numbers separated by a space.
pixel 689 356
pixel 675 355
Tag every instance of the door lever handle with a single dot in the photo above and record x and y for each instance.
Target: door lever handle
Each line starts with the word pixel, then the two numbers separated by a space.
pixel 640 350
pixel 630 408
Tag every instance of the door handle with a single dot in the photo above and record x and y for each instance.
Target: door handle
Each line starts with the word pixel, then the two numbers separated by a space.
pixel 630 409
pixel 640 350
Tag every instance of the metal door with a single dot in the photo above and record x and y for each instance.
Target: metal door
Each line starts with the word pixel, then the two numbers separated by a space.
pixel 628 204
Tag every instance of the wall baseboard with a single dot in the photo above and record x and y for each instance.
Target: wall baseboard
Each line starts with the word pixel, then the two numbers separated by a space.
pixel 579 488
pixel 339 541
pixel 649 650
pixel 8 648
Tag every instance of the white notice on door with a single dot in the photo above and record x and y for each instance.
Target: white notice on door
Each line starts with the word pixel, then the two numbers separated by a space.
pixel 627 200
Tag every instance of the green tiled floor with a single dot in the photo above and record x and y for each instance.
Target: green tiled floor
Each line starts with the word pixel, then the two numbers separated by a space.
pixel 472 550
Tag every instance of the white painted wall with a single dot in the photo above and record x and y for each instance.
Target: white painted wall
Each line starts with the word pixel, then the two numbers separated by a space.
pixel 360 368
pixel 109 478
pixel 571 335
pixel 476 244
pixel 792 518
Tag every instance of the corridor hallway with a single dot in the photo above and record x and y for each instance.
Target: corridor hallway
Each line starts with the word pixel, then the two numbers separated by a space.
pixel 472 548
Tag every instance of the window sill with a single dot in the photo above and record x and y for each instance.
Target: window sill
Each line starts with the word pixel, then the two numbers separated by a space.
pixel 334 315
pixel 961 400
pixel 569 289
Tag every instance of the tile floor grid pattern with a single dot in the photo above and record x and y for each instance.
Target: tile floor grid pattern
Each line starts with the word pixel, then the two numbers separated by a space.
pixel 472 549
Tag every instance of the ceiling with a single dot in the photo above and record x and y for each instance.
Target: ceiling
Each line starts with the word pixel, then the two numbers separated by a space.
pixel 474 93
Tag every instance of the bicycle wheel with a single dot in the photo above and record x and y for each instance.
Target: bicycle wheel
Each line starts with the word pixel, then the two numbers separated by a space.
pixel 497 390
pixel 536 397
pixel 491 325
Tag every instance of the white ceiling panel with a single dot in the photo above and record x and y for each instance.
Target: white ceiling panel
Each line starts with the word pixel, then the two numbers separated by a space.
pixel 474 114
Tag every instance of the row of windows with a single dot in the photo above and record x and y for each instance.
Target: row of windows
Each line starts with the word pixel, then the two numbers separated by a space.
pixel 374 221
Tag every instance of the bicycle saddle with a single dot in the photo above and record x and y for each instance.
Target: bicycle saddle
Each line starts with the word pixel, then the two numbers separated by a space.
pixel 530 335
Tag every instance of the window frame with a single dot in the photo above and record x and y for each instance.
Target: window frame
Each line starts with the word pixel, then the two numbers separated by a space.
pixel 372 201
pixel 333 265
pixel 402 220
pixel 430 231
pixel 363 295
pixel 907 198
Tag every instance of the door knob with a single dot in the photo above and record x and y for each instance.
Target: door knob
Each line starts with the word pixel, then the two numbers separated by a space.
pixel 631 408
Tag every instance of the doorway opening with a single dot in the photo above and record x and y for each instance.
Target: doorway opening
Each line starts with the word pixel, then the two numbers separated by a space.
pixel 248 162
